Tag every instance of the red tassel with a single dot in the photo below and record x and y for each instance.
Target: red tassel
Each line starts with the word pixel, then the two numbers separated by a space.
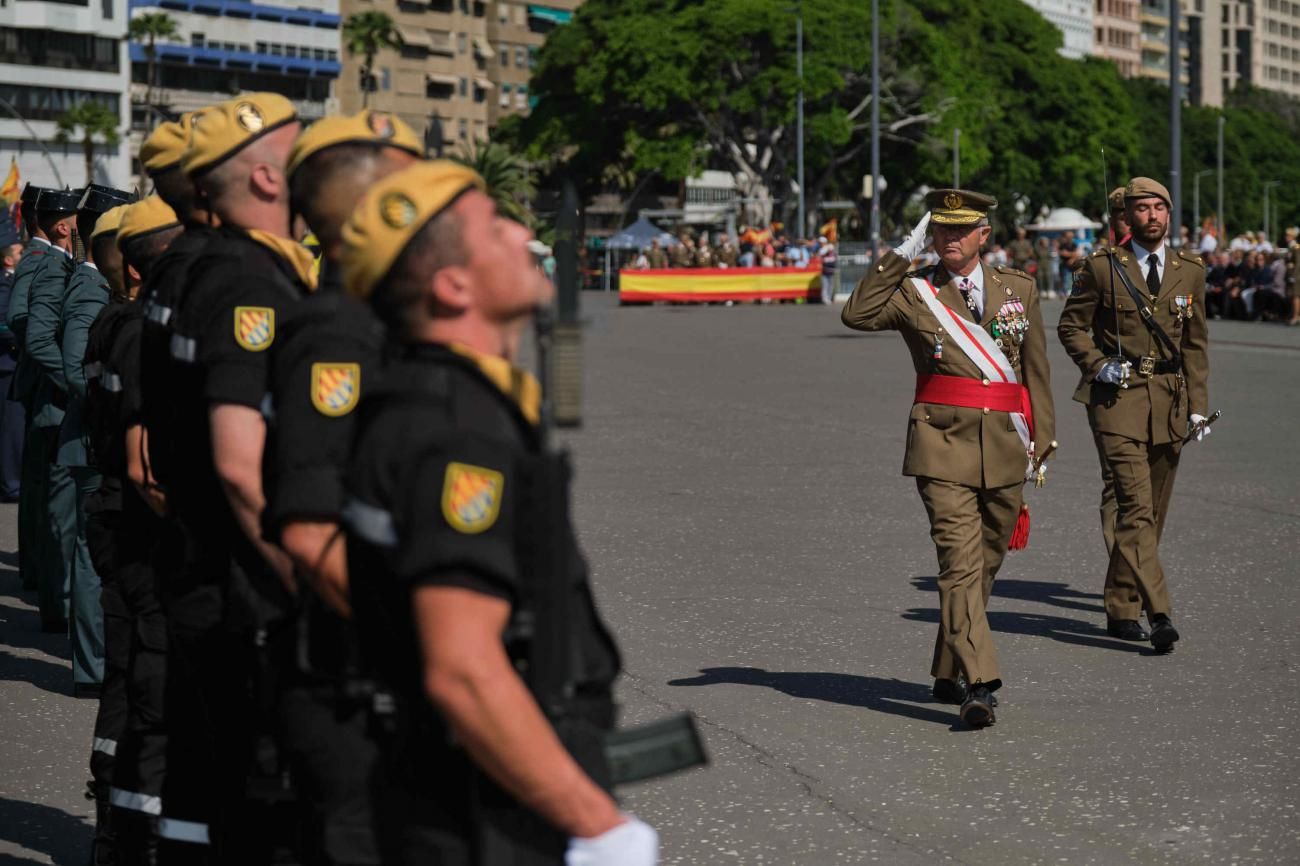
pixel 1020 535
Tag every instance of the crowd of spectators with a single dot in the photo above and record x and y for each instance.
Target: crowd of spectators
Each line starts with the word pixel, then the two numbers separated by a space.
pixel 1249 279
pixel 755 248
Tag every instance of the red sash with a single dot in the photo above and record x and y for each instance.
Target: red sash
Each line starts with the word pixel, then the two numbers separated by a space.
pixel 971 393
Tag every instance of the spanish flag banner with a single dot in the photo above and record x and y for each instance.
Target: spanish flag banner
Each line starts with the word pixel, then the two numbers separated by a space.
pixel 12 188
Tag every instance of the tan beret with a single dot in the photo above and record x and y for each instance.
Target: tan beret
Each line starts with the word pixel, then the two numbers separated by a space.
pixel 163 149
pixel 109 221
pixel 1145 187
pixel 219 132
pixel 144 217
pixel 375 127
pixel 392 212
pixel 1116 198
pixel 958 207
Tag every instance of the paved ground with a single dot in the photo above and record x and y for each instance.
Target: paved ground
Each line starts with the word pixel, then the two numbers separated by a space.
pixel 765 565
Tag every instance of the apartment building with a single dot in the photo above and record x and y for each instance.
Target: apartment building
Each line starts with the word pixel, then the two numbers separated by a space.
pixel 1074 18
pixel 465 63
pixel 1117 34
pixel 1270 59
pixel 228 46
pixel 53 55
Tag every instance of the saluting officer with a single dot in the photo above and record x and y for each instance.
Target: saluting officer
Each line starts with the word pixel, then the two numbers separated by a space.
pixel 228 602
pixel 982 410
pixel 56 212
pixel 1135 326
pixel 451 491
pixel 327 351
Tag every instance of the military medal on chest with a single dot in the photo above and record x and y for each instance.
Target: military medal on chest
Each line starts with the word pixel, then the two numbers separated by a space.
pixel 938 345
pixel 1009 328
pixel 1183 306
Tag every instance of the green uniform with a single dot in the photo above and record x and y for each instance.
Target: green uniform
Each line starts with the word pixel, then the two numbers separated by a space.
pixel 33 529
pixel 86 295
pixel 49 281
pixel 1139 429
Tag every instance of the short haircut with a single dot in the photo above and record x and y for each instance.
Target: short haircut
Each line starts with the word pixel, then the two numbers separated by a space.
pixel 310 182
pixel 100 246
pixel 175 188
pixel 141 251
pixel 47 220
pixel 437 245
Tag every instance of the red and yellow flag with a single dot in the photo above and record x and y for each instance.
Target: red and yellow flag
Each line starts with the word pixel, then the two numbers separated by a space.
pixel 12 188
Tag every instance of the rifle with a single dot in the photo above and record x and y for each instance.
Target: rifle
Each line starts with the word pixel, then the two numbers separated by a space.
pixel 665 746
pixel 1125 365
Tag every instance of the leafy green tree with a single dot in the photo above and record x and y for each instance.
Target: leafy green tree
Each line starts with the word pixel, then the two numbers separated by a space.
pixel 365 34
pixel 507 174
pixel 95 120
pixel 148 28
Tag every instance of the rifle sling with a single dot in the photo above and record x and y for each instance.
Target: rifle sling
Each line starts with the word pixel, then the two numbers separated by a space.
pixel 1147 314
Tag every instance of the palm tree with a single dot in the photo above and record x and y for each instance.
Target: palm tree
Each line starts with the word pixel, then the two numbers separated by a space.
pixel 366 34
pixel 96 120
pixel 508 175
pixel 148 28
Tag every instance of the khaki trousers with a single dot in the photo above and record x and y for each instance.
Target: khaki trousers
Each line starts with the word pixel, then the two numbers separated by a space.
pixel 1109 509
pixel 1144 482
pixel 971 528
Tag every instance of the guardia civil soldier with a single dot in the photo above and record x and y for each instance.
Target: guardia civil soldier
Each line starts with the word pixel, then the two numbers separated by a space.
pixel 86 293
pixel 450 493
pixel 33 526
pixel 983 410
pixel 1135 326
pixel 56 212
pixel 326 352
pixel 13 419
pixel 228 602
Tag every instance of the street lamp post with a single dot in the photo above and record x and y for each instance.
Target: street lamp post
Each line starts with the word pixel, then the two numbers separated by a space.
pixel 875 129
pixel 1176 122
pixel 1196 202
pixel 803 224
pixel 956 158
pixel 1268 222
pixel 1222 225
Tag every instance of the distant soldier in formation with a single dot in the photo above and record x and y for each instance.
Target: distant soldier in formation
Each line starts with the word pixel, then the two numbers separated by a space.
pixel 982 412
pixel 657 258
pixel 1135 326
pixel 1293 274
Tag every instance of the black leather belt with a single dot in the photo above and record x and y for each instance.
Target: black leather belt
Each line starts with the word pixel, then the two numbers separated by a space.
pixel 1148 366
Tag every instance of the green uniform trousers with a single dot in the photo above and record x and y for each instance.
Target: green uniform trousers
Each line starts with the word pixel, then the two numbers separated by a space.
pixel 52 507
pixel 1144 482
pixel 1109 509
pixel 971 528
pixel 86 621
pixel 33 498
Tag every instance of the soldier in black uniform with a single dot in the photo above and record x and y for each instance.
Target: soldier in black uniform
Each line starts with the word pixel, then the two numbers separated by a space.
pixel 326 351
pixel 228 601
pixel 118 340
pixel 494 753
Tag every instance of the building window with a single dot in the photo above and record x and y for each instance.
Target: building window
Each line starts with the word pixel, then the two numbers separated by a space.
pixel 464 87
pixel 462 129
pixel 464 7
pixel 47 103
pixel 520 56
pixel 462 42
pixel 521 97
pixel 505 96
pixel 106 8
pixel 58 49
pixel 504 57
pixel 291 51
pixel 197 40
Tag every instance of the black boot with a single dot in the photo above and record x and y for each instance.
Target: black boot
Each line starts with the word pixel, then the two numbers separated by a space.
pixel 103 848
pixel 137 838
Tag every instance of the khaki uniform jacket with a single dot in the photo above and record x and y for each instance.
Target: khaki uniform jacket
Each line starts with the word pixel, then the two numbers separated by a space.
pixel 975 447
pixel 1152 409
pixel 680 256
pixel 1293 270
pixel 658 259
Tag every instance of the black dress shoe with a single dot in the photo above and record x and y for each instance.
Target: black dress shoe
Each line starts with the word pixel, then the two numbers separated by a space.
pixel 1126 629
pixel 950 691
pixel 977 710
pixel 90 691
pixel 54 627
pixel 1163 633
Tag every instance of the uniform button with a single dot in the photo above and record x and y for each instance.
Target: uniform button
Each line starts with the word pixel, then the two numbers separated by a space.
pixel 880 267
pixel 986 410
pixel 986 382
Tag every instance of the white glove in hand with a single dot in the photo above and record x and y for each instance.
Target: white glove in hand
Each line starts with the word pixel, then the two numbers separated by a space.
pixel 1031 473
pixel 1203 432
pixel 632 843
pixel 1112 373
pixel 915 243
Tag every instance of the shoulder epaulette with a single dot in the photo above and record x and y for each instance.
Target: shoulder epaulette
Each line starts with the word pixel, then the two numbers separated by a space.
pixel 1190 257
pixel 1012 272
pixel 925 272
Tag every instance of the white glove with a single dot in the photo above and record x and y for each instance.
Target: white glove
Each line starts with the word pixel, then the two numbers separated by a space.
pixel 1203 432
pixel 915 243
pixel 1031 473
pixel 632 843
pixel 1112 373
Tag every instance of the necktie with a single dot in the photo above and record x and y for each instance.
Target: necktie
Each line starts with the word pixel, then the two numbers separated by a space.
pixel 1153 275
pixel 968 293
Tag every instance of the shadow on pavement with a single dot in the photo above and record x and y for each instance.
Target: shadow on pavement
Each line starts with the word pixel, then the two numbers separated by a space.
pixel 20 629
pixel 64 838
pixel 873 693
pixel 1056 594
pixel 1059 628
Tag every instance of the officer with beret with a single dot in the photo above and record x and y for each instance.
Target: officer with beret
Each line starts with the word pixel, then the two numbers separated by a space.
pixel 327 350
pixel 1135 326
pixel 56 211
pixel 121 529
pixel 228 601
pixel 33 525
pixel 13 419
pixel 450 493
pixel 982 414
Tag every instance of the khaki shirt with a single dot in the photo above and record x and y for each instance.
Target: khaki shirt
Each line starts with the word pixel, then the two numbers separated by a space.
pixel 975 447
pixel 1153 408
